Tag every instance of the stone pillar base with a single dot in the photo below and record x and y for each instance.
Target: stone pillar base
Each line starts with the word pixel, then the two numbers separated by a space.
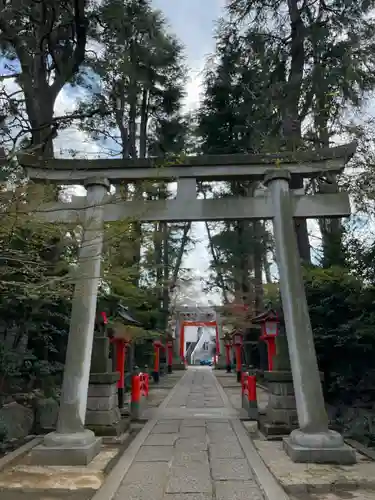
pixel 137 408
pixel 103 414
pixel 251 409
pixel 78 455
pixel 320 448
pixel 169 368
pixel 281 413
pixel 66 449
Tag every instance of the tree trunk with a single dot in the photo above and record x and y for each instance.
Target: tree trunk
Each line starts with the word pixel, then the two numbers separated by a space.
pixel 331 229
pixel 177 267
pixel 291 117
pixel 143 127
pixel 217 266
pixel 165 294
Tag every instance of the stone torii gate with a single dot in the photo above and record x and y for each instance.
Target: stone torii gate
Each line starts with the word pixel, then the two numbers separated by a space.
pixel 72 443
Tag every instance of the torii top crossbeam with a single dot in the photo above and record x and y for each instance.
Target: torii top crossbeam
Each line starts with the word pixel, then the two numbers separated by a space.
pixel 201 167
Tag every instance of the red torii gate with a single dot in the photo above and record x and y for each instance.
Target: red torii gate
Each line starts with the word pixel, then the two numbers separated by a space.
pixel 191 322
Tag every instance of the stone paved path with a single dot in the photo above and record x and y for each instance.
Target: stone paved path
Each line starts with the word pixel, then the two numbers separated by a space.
pixel 192 452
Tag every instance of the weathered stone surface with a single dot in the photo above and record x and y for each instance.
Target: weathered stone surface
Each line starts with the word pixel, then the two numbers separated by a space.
pixel 180 444
pixel 115 430
pixel 17 420
pixel 101 390
pixel 79 455
pixel 227 469
pixel 282 402
pixel 231 450
pixel 188 496
pixel 154 454
pixel 167 428
pixel 108 378
pixel 192 479
pixel 317 478
pixel 281 388
pixel 144 481
pixel 101 403
pixel 136 491
pixel 190 444
pixel 237 490
pixel 194 422
pixel 223 427
pixel 147 473
pixel 195 432
pixel 182 458
pixel 46 414
pixel 103 417
pixel 220 437
pixel 343 455
pixel 289 417
pixel 160 440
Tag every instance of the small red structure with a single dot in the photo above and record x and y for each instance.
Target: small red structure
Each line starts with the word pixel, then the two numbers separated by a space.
pixel 238 343
pixel 249 395
pixel 120 353
pixel 269 322
pixel 139 391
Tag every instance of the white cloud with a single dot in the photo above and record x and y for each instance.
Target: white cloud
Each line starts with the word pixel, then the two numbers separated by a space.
pixel 194 88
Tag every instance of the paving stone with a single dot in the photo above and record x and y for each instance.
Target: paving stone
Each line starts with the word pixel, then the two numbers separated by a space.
pixel 193 422
pixel 226 450
pixel 167 428
pixel 188 496
pixel 226 469
pixel 219 438
pixel 182 458
pixel 160 440
pixel 196 432
pixel 219 427
pixel 155 473
pixel 191 444
pixel 194 479
pixel 237 490
pixel 137 491
pixel 169 421
pixel 154 454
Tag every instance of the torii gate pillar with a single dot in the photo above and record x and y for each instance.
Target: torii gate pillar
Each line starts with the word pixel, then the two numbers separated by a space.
pixel 313 441
pixel 72 444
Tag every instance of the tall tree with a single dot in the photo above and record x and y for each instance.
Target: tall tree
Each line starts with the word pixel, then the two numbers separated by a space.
pixel 43 45
pixel 326 66
pixel 137 78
